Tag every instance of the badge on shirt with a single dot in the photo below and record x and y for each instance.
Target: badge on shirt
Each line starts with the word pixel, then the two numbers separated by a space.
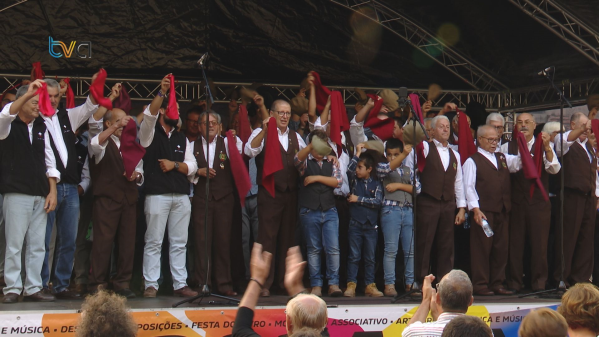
pixel 455 166
pixel 222 156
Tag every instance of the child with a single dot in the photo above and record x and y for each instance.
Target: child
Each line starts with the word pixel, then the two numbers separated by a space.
pixel 318 215
pixel 365 201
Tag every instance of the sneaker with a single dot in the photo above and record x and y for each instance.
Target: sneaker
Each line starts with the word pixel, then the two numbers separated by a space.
pixel 150 292
pixel 334 291
pixel 372 291
pixel 185 292
pixel 351 290
pixel 316 291
pixel 390 290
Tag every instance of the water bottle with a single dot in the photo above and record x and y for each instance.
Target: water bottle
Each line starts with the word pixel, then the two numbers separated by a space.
pixel 466 223
pixel 488 231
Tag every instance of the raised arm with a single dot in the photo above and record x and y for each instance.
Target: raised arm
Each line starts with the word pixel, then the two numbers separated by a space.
pixel 361 115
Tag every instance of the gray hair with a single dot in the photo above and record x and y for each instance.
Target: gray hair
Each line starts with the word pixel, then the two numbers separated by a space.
pixel 551 127
pixel 52 83
pixel 22 91
pixel 576 116
pixel 309 311
pixel 482 130
pixel 274 104
pixel 212 113
pixel 495 116
pixel 455 291
pixel 437 118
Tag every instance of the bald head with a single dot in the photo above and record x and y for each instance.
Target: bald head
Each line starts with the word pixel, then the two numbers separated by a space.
pixel 306 311
pixel 455 292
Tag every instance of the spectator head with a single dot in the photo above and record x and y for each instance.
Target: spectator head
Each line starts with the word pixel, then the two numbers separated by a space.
pixel 543 322
pixel 467 326
pixel 306 313
pixel 497 121
pixel 580 308
pixel 281 111
pixel 551 128
pixel 454 292
pixel 105 314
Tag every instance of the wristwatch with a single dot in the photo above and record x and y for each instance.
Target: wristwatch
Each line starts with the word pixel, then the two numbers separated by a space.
pixel 161 94
pixel 176 165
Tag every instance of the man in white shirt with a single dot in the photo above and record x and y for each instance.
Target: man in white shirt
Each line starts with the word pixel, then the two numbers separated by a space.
pixel 530 216
pixel 497 121
pixel 581 189
pixel 487 184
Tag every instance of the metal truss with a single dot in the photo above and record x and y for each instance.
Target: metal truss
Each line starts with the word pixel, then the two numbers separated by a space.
pixel 425 41
pixel 563 24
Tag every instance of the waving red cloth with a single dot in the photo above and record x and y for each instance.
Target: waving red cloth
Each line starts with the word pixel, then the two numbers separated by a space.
pixel 531 170
pixel 272 156
pixel 44 101
pixel 382 128
pixel 97 90
pixel 421 159
pixel 70 94
pixel 595 130
pixel 466 146
pixel 131 150
pixel 172 111
pixel 37 72
pixel 123 102
pixel 240 172
pixel 339 121
pixel 245 130
pixel 416 105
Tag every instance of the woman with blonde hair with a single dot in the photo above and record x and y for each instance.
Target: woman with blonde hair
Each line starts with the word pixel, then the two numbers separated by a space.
pixel 580 308
pixel 543 322
pixel 106 314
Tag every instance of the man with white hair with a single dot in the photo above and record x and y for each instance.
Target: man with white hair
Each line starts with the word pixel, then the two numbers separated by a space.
pixel 530 215
pixel 497 121
pixel 580 201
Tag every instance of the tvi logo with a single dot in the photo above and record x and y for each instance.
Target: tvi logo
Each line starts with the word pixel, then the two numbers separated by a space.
pixel 68 52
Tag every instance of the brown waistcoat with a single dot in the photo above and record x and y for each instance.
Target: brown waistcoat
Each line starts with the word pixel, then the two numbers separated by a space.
pixel 521 185
pixel 285 179
pixel 492 184
pixel 436 182
pixel 222 184
pixel 580 173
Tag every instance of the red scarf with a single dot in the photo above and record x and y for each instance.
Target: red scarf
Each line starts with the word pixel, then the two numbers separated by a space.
pixel 70 95
pixel 421 159
pixel 97 90
pixel 244 125
pixel 131 151
pixel 339 121
pixel 382 128
pixel 466 146
pixel 595 130
pixel 172 111
pixel 272 156
pixel 123 102
pixel 44 101
pixel 240 173
pixel 532 170
pixel 37 73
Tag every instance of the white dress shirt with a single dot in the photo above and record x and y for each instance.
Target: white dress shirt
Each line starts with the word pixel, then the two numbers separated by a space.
pixel 460 198
pixel 567 144
pixel 551 167
pixel 6 120
pixel 97 151
pixel 514 164
pixel 85 176
pixel 212 148
pixel 283 139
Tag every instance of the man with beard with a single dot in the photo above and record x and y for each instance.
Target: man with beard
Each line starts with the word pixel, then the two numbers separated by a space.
pixel 167 163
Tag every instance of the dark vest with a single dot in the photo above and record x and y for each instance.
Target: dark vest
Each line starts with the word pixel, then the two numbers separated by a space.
pixel 435 180
pixel 492 184
pixel 521 185
pixel 163 147
pixel 361 213
pixel 23 162
pixel 285 179
pixel 394 177
pixel 222 184
pixel 317 195
pixel 68 174
pixel 107 177
pixel 580 173
pixel 82 154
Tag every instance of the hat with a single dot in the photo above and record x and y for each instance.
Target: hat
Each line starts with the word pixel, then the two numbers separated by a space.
pixel 389 99
pixel 362 97
pixel 299 105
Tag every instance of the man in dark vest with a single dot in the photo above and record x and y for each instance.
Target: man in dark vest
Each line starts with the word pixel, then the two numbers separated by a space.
pixel 530 216
pixel 277 216
pixel 114 209
pixel 487 184
pixel 580 202
pixel 217 241
pixel 167 164
pixel 442 192
pixel 62 127
pixel 28 184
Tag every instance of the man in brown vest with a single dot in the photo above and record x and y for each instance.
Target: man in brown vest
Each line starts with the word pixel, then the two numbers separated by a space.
pixel 487 184
pixel 442 192
pixel 530 216
pixel 220 205
pixel 114 210
pixel 580 202
pixel 277 216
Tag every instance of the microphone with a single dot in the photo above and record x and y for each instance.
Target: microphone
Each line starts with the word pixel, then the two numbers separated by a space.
pixel 203 59
pixel 546 71
pixel 403 97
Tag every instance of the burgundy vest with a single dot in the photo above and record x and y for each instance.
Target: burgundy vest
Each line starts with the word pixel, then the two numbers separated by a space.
pixel 492 184
pixel 521 185
pixel 222 184
pixel 285 179
pixel 436 181
pixel 108 179
pixel 580 173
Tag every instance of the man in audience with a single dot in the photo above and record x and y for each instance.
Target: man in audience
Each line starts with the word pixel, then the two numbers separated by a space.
pixel 467 326
pixel 580 308
pixel 543 322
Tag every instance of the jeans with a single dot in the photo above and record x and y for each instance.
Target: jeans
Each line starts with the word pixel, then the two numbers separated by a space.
pixel 172 210
pixel 25 231
pixel 361 236
pixel 321 229
pixel 249 225
pixel 67 220
pixel 396 222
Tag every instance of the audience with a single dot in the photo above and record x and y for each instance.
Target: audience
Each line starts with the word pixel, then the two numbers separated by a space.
pixel 467 326
pixel 543 322
pixel 106 314
pixel 580 308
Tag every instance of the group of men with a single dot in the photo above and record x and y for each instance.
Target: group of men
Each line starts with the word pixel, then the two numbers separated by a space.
pixel 46 166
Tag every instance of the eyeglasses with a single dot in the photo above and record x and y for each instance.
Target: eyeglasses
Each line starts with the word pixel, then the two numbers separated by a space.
pixel 211 123
pixel 283 113
pixel 526 122
pixel 193 122
pixel 491 140
pixel 498 128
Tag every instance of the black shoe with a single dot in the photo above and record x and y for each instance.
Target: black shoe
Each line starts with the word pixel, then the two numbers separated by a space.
pixel 11 298
pixel 125 293
pixel 68 295
pixel 40 296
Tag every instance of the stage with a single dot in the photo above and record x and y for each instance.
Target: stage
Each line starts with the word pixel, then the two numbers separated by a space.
pixel 359 316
